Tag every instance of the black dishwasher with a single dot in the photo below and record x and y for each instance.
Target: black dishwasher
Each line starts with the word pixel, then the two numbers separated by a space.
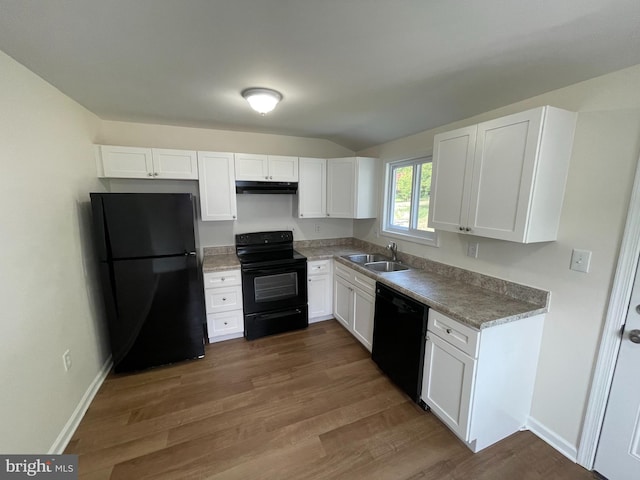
pixel 399 336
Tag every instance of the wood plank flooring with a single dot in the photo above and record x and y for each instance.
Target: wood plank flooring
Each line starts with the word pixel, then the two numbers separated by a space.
pixel 303 405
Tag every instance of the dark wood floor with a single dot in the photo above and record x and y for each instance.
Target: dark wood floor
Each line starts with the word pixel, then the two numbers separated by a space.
pixel 304 405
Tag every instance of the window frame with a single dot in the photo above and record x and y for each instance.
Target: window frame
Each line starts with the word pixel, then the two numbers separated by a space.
pixel 410 234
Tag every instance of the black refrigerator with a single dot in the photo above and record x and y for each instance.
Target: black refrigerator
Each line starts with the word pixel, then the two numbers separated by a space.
pixel 150 277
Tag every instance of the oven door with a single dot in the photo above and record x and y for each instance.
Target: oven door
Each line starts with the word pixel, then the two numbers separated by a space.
pixel 272 288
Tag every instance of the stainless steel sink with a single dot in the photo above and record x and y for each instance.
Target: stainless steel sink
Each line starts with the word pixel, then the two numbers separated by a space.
pixel 386 266
pixel 367 258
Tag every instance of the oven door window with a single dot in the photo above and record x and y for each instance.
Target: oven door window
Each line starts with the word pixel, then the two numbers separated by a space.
pixel 272 288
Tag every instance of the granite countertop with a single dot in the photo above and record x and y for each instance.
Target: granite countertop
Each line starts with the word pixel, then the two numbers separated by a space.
pixel 220 262
pixel 470 304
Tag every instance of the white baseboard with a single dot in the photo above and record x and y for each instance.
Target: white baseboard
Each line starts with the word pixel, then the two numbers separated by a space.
pixel 72 424
pixel 553 439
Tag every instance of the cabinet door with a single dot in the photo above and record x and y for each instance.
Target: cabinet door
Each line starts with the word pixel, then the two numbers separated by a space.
pixel 451 178
pixel 341 175
pixel 343 302
pixel 363 305
pixel 283 169
pixel 504 167
pixel 447 384
pixel 319 293
pixel 252 167
pixel 126 162
pixel 312 188
pixel 217 186
pixel 175 164
pixel 225 323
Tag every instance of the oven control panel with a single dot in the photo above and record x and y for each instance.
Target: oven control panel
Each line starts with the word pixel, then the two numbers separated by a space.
pixel 261 238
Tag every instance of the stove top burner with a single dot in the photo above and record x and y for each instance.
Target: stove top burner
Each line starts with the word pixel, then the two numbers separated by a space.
pixel 268 248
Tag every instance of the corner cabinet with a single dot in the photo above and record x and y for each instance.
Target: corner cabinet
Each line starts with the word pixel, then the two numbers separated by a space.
pixel 217 186
pixel 352 187
pixel 266 168
pixel 354 303
pixel 148 163
pixel 504 178
pixel 480 382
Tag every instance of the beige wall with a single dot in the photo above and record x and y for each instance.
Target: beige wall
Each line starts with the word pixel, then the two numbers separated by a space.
pixel 255 212
pixel 605 154
pixel 47 298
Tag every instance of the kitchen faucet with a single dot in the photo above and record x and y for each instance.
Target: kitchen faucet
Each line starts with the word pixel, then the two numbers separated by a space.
pixel 394 251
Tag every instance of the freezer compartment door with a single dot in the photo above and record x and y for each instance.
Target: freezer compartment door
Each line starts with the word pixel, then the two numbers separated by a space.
pixel 134 225
pixel 155 311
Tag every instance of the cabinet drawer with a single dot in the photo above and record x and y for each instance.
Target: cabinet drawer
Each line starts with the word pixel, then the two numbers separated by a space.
pixel 223 299
pixel 318 267
pixel 459 335
pixel 364 283
pixel 357 279
pixel 222 279
pixel 225 323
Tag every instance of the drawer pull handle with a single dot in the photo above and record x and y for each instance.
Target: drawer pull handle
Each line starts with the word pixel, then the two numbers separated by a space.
pixel 226 323
pixel 224 299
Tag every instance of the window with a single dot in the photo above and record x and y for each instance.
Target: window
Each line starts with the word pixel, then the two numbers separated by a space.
pixel 407 200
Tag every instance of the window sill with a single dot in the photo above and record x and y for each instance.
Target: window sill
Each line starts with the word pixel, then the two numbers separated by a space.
pixel 435 242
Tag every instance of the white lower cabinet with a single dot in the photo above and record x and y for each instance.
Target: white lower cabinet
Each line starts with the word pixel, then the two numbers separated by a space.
pixel 223 298
pixel 354 302
pixel 319 290
pixel 480 383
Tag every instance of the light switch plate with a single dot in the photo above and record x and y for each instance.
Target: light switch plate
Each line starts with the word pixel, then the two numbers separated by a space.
pixel 580 260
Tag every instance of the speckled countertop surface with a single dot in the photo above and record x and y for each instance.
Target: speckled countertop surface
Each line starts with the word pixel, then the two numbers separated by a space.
pixel 473 305
pixel 220 262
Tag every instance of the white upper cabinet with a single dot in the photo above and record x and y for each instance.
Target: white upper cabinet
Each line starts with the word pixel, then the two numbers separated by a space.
pixel 174 164
pixel 312 188
pixel 504 178
pixel 217 186
pixel 150 163
pixel 266 168
pixel 352 187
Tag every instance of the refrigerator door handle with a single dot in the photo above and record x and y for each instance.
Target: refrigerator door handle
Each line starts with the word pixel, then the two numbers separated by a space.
pixel 190 254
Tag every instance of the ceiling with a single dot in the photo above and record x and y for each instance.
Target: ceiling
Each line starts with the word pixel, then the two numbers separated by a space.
pixel 357 72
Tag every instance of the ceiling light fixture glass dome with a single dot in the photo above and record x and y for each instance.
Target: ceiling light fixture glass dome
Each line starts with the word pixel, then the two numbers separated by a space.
pixel 262 100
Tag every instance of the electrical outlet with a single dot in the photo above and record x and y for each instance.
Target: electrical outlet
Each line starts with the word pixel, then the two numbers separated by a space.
pixel 472 249
pixel 580 260
pixel 66 358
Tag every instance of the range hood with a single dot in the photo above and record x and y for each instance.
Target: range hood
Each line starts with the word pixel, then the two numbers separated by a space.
pixel 287 188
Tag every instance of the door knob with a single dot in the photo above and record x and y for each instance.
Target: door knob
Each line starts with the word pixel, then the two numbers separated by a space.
pixel 634 336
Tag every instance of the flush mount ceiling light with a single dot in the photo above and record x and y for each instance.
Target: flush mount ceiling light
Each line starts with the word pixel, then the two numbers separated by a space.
pixel 262 100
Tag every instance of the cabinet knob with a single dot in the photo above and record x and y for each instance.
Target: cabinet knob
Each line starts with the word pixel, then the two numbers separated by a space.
pixel 224 300
pixel 328 214
pixel 468 229
pixel 461 228
pixel 222 279
pixel 266 178
pixel 448 330
pixel 309 280
pixel 233 216
pixel 226 323
pixel 149 174
pixel 302 214
pixel 270 178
